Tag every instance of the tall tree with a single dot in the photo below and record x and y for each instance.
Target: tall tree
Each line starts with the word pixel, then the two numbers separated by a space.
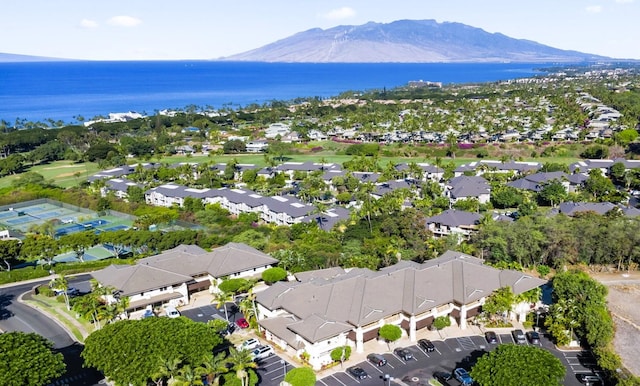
pixel 28 359
pixel 512 364
pixel 132 351
pixel 242 363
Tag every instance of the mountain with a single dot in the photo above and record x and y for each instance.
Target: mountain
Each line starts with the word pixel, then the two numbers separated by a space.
pixel 6 58
pixel 407 41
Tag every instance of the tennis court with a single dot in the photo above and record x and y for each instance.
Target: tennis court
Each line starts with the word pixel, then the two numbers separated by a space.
pixel 65 219
pixel 91 254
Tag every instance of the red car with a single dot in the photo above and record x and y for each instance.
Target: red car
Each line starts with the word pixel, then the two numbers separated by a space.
pixel 242 323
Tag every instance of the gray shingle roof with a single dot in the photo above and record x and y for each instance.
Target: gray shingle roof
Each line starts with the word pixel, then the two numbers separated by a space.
pixel 328 302
pixel 179 265
pixel 454 218
pixel 226 260
pixel 139 278
pixel 468 186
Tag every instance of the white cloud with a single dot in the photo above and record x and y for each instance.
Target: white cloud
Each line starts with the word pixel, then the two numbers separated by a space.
pixel 86 23
pixel 124 21
pixel 339 13
pixel 594 9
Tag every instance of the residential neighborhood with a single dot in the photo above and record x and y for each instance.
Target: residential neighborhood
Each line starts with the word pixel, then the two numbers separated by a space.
pixel 411 233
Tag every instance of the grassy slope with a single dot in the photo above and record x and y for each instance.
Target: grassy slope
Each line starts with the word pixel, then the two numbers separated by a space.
pixel 60 172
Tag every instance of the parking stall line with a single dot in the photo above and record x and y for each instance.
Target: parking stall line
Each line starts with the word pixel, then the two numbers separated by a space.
pixel 466 343
pixel 376 368
pixel 422 351
pixel 344 384
pixel 321 381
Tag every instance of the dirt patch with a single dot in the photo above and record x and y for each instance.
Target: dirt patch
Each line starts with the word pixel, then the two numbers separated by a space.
pixel 63 167
pixel 623 298
pixel 62 175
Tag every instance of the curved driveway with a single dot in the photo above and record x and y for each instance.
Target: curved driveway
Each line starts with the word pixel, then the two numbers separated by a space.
pixel 16 316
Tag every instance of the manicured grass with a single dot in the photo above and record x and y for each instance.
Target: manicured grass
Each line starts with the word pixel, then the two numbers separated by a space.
pixel 62 173
pixel 79 327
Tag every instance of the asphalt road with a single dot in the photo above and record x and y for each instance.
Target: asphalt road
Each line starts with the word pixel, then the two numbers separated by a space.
pixel 15 316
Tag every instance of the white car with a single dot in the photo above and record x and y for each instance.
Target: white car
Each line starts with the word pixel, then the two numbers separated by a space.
pixel 171 312
pixel 262 352
pixel 250 344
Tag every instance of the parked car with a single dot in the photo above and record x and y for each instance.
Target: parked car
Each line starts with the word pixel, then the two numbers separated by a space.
pixel 442 377
pixel 518 336
pixel 491 337
pixel 71 292
pixel 403 354
pixel 171 312
pixel 262 352
pixel 231 327
pixel 357 372
pixel 590 379
pixel 148 313
pixel 377 359
pixel 250 344
pixel 426 345
pixel 242 323
pixel 463 376
pixel 533 337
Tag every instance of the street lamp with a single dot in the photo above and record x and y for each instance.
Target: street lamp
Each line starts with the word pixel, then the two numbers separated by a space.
pixel 284 368
pixel 387 379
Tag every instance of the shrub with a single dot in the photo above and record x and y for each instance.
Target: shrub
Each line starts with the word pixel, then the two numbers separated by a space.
pixel 301 376
pixel 21 274
pixel 337 353
pixel 390 332
pixel 45 290
pixel 543 270
pixel 441 322
pixel 235 285
pixel 273 275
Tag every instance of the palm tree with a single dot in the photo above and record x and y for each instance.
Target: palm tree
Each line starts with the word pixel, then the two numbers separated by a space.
pixel 248 307
pixel 214 366
pixel 168 369
pixel 221 299
pixel 188 376
pixel 240 361
pixel 61 283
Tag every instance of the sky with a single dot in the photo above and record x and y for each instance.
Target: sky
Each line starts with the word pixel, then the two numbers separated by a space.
pixel 209 29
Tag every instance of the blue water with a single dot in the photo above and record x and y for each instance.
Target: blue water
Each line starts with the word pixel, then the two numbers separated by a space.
pixel 64 90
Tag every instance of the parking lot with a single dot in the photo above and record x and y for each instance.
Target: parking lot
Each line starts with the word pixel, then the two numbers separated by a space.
pixel 448 354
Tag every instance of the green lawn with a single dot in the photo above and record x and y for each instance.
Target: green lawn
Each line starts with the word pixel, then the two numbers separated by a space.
pixel 79 327
pixel 62 173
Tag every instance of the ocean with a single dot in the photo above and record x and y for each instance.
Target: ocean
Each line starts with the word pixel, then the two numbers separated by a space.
pixel 62 91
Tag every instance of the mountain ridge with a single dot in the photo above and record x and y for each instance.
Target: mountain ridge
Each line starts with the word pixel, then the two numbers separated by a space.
pixel 407 41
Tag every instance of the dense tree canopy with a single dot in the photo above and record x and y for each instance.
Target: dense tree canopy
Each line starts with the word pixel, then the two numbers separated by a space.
pixel 132 351
pixel 518 365
pixel 28 359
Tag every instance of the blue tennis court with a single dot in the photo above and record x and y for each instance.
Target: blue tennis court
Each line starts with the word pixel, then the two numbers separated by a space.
pixel 94 223
pixel 32 209
pixel 116 228
pixel 8 213
pixel 48 215
pixel 73 228
pixel 20 220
